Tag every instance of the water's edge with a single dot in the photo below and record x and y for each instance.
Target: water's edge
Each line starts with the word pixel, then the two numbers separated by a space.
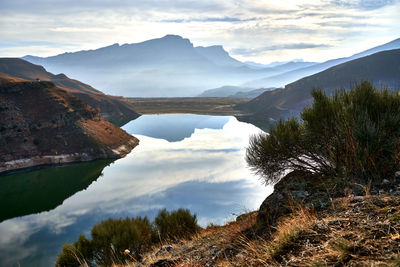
pixel 27 163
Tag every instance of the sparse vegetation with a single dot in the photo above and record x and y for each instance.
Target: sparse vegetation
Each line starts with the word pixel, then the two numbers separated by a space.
pixel 176 224
pixel 111 238
pixel 352 134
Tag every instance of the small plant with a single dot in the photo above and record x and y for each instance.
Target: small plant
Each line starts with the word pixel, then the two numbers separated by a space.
pixel 36 141
pixel 176 224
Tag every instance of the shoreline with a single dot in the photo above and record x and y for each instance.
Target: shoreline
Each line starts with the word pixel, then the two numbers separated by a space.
pixel 54 160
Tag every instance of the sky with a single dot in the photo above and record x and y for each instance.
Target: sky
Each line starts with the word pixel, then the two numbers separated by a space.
pixel 250 30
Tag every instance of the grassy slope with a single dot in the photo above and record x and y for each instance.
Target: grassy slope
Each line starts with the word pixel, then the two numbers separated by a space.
pixel 354 231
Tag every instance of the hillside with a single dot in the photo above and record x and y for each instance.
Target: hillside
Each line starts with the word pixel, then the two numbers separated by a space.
pixel 43 124
pixel 382 68
pixel 355 231
pixel 293 75
pixel 111 108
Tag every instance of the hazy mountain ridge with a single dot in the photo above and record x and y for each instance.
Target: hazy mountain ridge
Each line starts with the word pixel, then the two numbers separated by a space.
pixel 112 108
pixel 382 68
pixel 44 124
pixel 224 91
pixel 167 66
pixel 234 91
pixel 291 76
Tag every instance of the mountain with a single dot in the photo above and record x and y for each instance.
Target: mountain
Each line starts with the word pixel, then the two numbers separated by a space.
pixel 218 56
pixel 298 62
pixel 224 91
pixel 114 109
pixel 382 69
pixel 234 92
pixel 41 123
pixel 291 76
pixel 251 94
pixel 167 66
pixel 37 191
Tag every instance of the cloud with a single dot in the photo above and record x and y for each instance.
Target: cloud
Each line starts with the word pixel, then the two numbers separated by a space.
pixel 208 19
pixel 344 25
pixel 363 4
pixel 295 46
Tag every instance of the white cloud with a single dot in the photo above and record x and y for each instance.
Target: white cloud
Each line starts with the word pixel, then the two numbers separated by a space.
pixel 342 26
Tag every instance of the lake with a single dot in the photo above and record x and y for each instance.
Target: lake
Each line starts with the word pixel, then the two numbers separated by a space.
pixel 183 161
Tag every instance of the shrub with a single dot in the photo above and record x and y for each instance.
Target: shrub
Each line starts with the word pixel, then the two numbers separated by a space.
pixel 176 224
pixel 110 238
pixel 351 134
pixel 68 256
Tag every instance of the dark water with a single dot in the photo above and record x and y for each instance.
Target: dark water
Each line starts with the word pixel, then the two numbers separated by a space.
pixel 190 161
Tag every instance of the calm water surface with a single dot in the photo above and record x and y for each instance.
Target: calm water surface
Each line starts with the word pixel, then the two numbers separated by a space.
pixel 190 161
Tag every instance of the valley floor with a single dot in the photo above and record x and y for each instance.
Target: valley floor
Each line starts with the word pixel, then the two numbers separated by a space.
pixel 194 105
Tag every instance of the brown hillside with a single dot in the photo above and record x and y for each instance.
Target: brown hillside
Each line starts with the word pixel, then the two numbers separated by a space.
pixel 114 109
pixel 41 123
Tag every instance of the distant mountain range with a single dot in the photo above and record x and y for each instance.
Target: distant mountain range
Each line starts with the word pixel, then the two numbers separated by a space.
pixel 382 69
pixel 172 66
pixel 114 109
pixel 41 123
pixel 291 76
pixel 224 91
pixel 234 91
pixel 168 66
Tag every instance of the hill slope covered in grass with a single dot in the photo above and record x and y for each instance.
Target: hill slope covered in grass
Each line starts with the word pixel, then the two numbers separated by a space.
pixel 41 123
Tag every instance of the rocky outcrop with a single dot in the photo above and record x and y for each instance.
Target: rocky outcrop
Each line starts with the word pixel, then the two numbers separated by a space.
pixel 316 192
pixel 295 189
pixel 42 124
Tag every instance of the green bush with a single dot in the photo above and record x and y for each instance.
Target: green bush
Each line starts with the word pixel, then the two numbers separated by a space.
pixel 110 238
pixel 69 257
pixel 353 134
pixel 176 224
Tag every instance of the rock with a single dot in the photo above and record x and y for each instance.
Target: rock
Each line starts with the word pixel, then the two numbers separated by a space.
pixel 298 188
pixel 397 174
pixel 164 250
pixel 241 256
pixel 386 181
pixel 163 263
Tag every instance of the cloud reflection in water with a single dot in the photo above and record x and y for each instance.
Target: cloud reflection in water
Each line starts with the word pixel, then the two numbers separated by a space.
pixel 205 172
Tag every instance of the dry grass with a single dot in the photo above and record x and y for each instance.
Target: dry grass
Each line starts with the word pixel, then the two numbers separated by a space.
pixel 355 231
pixel 286 238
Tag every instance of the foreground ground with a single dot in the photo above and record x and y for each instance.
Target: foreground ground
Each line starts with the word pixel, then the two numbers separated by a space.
pixel 354 231
pixel 193 105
